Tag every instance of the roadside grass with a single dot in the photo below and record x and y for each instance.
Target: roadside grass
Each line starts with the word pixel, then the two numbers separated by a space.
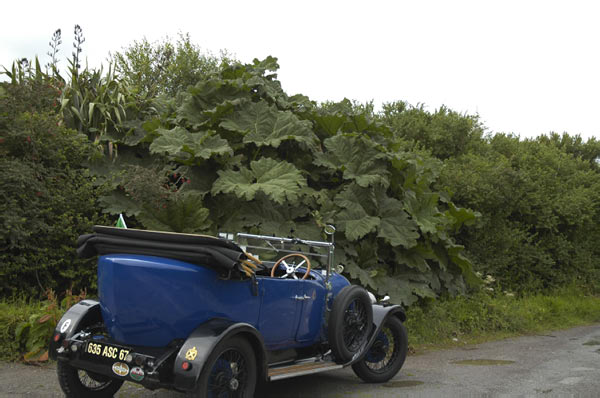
pixel 14 312
pixel 483 317
pixel 437 324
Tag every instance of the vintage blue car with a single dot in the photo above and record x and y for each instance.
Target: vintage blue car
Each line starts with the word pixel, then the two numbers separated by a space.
pixel 216 317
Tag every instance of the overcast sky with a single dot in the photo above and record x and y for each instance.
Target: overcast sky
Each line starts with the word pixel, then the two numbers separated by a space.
pixel 526 67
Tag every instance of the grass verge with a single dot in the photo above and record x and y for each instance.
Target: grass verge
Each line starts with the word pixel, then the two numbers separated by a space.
pixel 437 324
pixel 12 313
pixel 484 317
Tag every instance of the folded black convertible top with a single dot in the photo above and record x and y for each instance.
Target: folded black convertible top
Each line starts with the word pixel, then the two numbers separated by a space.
pixel 196 249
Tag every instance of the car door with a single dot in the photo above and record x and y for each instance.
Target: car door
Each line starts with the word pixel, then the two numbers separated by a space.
pixel 311 312
pixel 281 304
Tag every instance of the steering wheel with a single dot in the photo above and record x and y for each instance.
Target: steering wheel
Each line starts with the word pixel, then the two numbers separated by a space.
pixel 290 270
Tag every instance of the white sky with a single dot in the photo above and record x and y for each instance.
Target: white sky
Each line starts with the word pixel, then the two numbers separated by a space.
pixel 526 67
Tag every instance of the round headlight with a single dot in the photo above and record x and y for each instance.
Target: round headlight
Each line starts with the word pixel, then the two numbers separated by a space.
pixel 372 297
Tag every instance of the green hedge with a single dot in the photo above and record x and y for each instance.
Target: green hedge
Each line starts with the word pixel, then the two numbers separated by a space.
pixel 47 197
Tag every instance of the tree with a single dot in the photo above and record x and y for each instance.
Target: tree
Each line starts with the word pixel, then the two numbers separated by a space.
pixel 166 67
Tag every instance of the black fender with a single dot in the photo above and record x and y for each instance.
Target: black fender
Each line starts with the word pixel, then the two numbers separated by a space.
pixel 79 316
pixel 201 342
pixel 380 314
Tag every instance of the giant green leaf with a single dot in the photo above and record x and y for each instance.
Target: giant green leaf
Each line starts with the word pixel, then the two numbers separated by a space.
pixel 461 215
pixel 208 97
pixel 185 214
pixel 116 202
pixel 356 218
pixel 413 259
pixel 396 227
pixel 263 125
pixel 355 222
pixel 201 145
pixel 423 209
pixel 204 145
pixel 279 180
pixel 171 141
pixel 399 290
pixel 455 252
pixel 357 157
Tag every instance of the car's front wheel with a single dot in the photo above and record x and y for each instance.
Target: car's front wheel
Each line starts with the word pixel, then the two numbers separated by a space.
pixel 350 322
pixel 77 383
pixel 229 372
pixel 387 354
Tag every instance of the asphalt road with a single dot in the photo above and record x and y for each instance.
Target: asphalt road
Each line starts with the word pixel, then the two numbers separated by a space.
pixel 562 363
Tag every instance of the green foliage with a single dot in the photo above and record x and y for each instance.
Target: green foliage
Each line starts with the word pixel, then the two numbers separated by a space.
pixel 95 103
pixel 14 312
pixel 260 160
pixel 483 316
pixel 445 133
pixel 575 146
pixel 46 196
pixel 165 67
pixel 540 213
pixel 33 335
pixel 279 180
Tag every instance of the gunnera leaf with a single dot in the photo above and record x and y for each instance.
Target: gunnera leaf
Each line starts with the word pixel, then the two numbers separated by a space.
pixel 396 227
pixel 184 214
pixel 264 125
pixel 279 180
pixel 357 157
pixel 201 145
pixel 423 209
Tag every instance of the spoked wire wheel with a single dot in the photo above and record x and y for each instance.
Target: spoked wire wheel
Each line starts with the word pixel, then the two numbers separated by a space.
pixel 384 350
pixel 387 354
pixel 230 371
pixel 350 322
pixel 229 376
pixel 355 325
pixel 93 381
pixel 80 383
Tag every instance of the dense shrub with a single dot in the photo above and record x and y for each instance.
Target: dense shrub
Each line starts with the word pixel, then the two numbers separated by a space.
pixel 540 210
pixel 47 198
pixel 166 67
pixel 444 132
pixel 539 198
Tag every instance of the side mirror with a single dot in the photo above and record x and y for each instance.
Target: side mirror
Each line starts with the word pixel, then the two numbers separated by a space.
pixel 339 269
pixel 329 229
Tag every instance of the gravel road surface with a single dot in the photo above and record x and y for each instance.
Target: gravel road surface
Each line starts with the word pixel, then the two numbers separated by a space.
pixel 562 363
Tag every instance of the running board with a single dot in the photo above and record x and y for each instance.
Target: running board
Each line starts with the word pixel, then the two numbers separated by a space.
pixel 300 369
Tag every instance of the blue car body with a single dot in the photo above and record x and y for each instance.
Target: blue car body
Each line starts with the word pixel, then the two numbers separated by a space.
pixel 125 281
pixel 173 307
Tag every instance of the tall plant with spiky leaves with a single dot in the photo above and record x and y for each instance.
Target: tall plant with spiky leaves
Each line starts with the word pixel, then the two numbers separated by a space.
pixel 54 44
pixel 79 40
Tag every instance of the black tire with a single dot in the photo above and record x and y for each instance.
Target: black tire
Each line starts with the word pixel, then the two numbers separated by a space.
pixel 218 378
pixel 387 354
pixel 77 383
pixel 350 322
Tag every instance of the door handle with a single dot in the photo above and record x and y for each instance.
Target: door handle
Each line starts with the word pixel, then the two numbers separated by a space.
pixel 305 297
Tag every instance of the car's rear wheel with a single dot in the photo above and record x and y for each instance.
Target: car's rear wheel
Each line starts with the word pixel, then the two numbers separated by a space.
pixel 387 354
pixel 80 383
pixel 350 322
pixel 229 372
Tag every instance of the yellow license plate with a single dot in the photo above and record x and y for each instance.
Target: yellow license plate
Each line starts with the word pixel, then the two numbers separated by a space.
pixel 106 351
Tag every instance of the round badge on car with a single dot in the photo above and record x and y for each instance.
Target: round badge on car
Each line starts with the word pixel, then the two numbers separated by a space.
pixel 136 373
